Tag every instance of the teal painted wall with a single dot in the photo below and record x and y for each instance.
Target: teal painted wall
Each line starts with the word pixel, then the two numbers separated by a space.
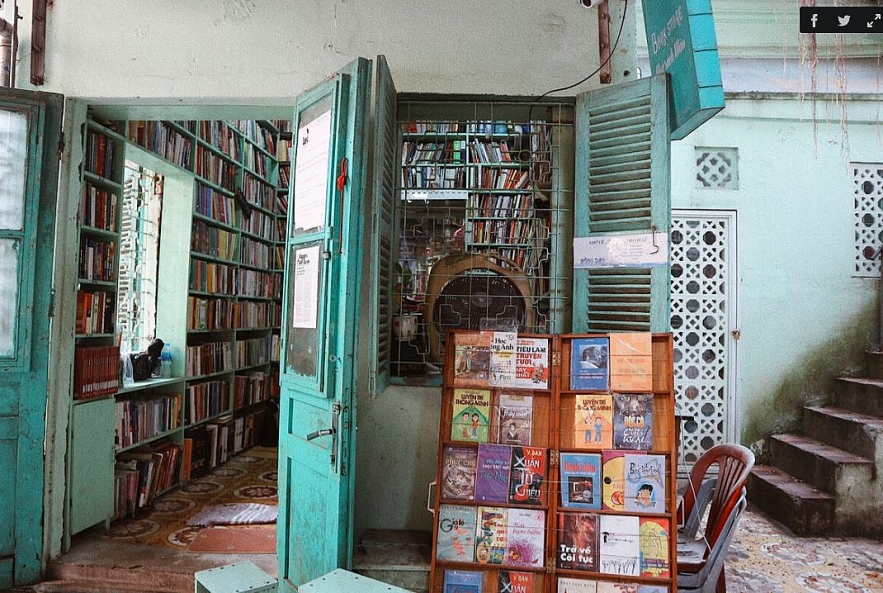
pixel 804 319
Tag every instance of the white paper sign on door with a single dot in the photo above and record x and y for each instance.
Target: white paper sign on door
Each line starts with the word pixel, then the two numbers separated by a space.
pixel 311 172
pixel 305 313
pixel 627 250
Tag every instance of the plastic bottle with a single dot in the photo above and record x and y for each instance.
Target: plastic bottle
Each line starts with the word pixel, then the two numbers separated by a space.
pixel 165 367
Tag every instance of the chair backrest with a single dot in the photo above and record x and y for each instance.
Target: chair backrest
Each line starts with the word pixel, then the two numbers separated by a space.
pixel 732 463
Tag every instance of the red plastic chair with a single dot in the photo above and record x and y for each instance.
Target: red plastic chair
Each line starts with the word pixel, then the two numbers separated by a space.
pixel 715 494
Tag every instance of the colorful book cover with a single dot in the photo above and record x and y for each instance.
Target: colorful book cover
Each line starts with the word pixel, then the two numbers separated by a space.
pixel 492 472
pixel 525 538
pixel 613 480
pixel 593 421
pixel 458 472
pixel 631 361
pixel 619 545
pixel 633 421
pixel 589 364
pixel 472 358
pixel 655 541
pixel 642 588
pixel 580 475
pixel 515 419
pixel 463 581
pixel 514 581
pixel 527 475
pixel 502 369
pixel 455 539
pixel 531 363
pixel 577 541
pixel 470 415
pixel 611 587
pixel 572 585
pixel 645 483
pixel 491 535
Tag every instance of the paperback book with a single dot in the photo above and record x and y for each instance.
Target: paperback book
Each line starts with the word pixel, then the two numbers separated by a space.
pixel 514 581
pixel 593 421
pixel 525 538
pixel 655 534
pixel 645 490
pixel 463 581
pixel 633 421
pixel 458 472
pixel 491 535
pixel 572 585
pixel 631 361
pixel 470 415
pixel 492 472
pixel 455 539
pixel 527 475
pixel 613 480
pixel 589 364
pixel 619 545
pixel 577 541
pixel 515 418
pixel 531 363
pixel 580 475
pixel 472 358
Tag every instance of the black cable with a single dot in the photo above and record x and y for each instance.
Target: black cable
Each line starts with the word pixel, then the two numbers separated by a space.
pixel 594 72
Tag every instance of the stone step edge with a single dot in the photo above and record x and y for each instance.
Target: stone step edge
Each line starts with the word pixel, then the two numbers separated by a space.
pixel 827 452
pixel 790 485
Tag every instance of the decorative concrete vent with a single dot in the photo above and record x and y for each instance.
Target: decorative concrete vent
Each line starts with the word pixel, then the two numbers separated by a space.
pixel 717 168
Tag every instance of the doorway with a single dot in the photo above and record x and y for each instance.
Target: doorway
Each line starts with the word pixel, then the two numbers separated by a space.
pixel 704 321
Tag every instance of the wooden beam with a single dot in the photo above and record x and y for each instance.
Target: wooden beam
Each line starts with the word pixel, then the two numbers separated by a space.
pixel 604 42
pixel 38 42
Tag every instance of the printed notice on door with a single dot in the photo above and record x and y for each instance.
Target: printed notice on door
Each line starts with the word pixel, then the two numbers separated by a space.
pixel 311 172
pixel 627 250
pixel 305 312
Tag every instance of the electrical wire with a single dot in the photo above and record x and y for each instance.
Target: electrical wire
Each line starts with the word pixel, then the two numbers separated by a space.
pixel 596 70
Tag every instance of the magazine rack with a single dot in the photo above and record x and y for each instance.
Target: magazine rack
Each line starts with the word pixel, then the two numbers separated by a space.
pixel 556 464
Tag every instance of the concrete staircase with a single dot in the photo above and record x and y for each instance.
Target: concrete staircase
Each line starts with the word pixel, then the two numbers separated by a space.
pixel 826 481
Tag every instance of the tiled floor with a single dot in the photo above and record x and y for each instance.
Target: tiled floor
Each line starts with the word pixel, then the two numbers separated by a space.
pixel 764 557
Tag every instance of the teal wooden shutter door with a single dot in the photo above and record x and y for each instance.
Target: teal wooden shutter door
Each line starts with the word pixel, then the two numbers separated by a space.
pixel 385 167
pixel 622 184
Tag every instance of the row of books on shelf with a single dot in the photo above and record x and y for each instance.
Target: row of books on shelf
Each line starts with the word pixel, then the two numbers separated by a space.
pixel 254 387
pixel 204 359
pixel 621 361
pixel 488 205
pixel 256 253
pixel 257 133
pixel 96 311
pixel 213 241
pixel 141 418
pixel 100 154
pixel 214 314
pixel 205 400
pixel 163 139
pixel 215 205
pixel 600 420
pixel 143 473
pixel 99 207
pixel 96 371
pixel 255 351
pixel 258 192
pixel 220 135
pixel 522 230
pixel 97 260
pixel 215 169
pixel 484 127
pixel 434 177
pixel 613 480
pixel 515 581
pixel 284 182
pixel 258 161
pixel 230 280
pixel 263 226
pixel 606 544
pixel 210 444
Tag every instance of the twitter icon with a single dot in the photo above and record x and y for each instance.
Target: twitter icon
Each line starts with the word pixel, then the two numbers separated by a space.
pixel 842 21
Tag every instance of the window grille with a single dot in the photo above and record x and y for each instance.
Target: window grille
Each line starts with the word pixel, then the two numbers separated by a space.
pixel 717 168
pixel 867 181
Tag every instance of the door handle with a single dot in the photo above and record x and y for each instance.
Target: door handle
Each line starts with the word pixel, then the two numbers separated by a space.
pixel 321 433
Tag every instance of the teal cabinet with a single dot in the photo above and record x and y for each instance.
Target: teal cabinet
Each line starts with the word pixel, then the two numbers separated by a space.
pixel 91 463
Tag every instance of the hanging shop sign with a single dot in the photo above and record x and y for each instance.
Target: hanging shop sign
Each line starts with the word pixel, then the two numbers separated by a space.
pixel 681 41
pixel 621 250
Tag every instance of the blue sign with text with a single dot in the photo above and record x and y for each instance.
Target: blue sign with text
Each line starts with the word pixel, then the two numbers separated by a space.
pixel 682 42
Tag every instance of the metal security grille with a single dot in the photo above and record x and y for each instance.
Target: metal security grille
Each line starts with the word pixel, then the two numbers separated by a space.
pixel 868 217
pixel 717 168
pixel 701 305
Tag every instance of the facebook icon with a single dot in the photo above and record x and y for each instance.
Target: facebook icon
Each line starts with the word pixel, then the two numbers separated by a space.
pixel 841 19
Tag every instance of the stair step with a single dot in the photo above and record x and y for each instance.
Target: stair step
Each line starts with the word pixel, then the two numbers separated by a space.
pixel 861 395
pixel 874 364
pixel 398 557
pixel 844 429
pixel 802 508
pixel 817 463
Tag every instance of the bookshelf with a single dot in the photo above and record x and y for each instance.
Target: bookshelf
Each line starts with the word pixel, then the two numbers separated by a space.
pixel 486 188
pixel 218 307
pixel 532 496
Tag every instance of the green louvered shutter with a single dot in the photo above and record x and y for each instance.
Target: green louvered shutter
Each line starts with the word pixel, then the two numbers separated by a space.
pixel 384 172
pixel 622 185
